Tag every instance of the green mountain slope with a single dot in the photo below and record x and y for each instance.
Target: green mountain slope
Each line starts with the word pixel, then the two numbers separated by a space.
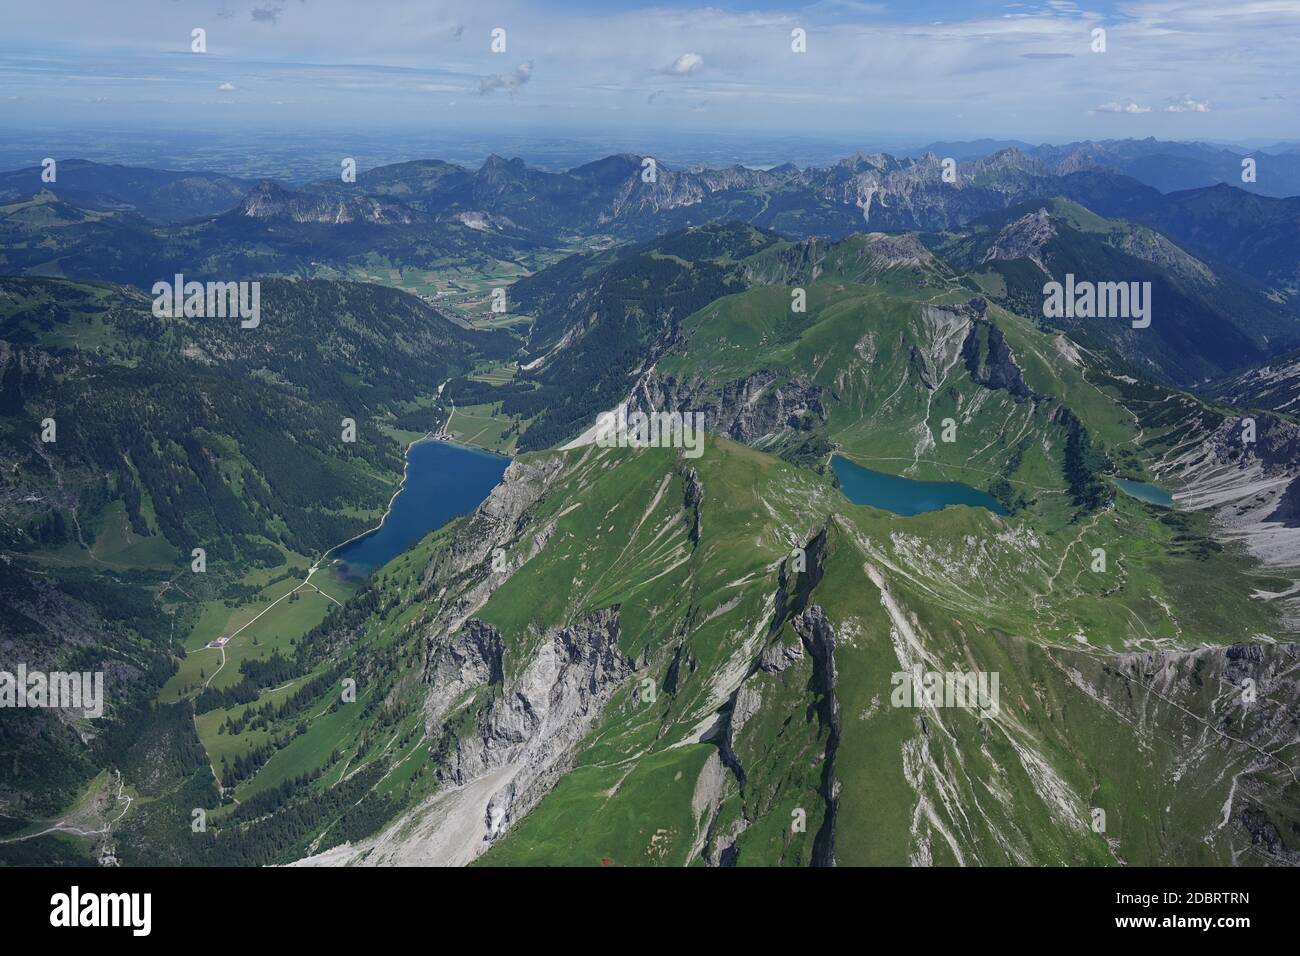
pixel 178 433
pixel 630 656
pixel 1204 320
pixel 655 679
pixel 271 231
pixel 628 661
pixel 159 195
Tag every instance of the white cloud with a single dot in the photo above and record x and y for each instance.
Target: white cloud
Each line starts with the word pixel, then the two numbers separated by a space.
pixel 1127 106
pixel 1185 104
pixel 226 88
pixel 509 82
pixel 1033 76
pixel 685 65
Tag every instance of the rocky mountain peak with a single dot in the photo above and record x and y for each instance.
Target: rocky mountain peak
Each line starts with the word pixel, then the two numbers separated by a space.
pixel 269 201
pixel 1024 238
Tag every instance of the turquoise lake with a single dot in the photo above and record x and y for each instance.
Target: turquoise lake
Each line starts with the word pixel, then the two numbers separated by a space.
pixel 905 496
pixel 442 481
pixel 1151 494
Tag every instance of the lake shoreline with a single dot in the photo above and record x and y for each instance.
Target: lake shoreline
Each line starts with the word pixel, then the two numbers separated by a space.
pixel 906 497
pixel 439 494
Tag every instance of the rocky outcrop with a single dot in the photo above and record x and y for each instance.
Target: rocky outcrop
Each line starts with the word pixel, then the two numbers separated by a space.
pixel 1287 510
pixel 777 656
pixel 1246 484
pixel 748 410
pixel 919 368
pixel 799 262
pixel 694 498
pixel 271 203
pixel 1274 386
pixel 859 258
pixel 670 190
pixel 885 250
pixel 780 653
pixel 471 659
pixel 818 637
pixel 902 194
pixel 463 575
pixel 532 722
pixel 1233 711
pixel 1023 239
pixel 990 363
pixel 1276 444
pixel 1149 245
pixel 484 221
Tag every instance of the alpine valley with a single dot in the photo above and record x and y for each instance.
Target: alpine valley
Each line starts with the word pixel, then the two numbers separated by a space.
pixel 625 655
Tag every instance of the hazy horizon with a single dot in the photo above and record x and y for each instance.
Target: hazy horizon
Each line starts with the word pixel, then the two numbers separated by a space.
pixel 876 73
pixel 307 155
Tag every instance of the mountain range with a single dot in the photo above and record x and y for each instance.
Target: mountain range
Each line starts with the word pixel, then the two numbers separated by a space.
pixel 636 655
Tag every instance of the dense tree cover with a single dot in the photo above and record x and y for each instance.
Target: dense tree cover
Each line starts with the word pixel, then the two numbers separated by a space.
pixel 812 452
pixel 466 391
pixel 47 760
pixel 123 247
pixel 1084 464
pixel 1002 489
pixel 157 746
pixel 245 765
pixel 279 824
pixel 161 830
pixel 201 434
pixel 1200 329
pixel 257 674
pixel 623 300
pixel 231 435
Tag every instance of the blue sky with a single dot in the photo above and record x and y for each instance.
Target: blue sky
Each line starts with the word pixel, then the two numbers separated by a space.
pixel 920 70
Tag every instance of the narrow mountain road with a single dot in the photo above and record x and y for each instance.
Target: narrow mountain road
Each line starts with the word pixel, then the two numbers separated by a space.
pixel 306 582
pixel 64 826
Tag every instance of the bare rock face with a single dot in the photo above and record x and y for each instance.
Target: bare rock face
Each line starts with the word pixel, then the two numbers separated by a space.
pixel 868 254
pixel 885 250
pixel 746 410
pixel 471 659
pixel 989 360
pixel 818 636
pixel 1287 511
pixel 532 722
pixel 464 568
pixel 693 499
pixel 1232 707
pixel 674 189
pixel 1150 245
pixel 795 263
pixel 670 190
pixel 1023 239
pixel 484 221
pixel 1248 486
pixel 1276 446
pixel 269 202
pixel 776 657
pixel 505 713
pixel 911 193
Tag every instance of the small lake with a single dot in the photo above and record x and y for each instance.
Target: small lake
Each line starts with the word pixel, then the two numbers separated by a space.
pixel 442 481
pixel 1151 494
pixel 906 496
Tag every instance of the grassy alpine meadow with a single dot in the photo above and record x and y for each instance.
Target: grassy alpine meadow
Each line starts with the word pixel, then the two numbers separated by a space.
pixel 885 598
pixel 814 439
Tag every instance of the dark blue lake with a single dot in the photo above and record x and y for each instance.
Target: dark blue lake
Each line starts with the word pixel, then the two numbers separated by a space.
pixel 905 496
pixel 442 481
